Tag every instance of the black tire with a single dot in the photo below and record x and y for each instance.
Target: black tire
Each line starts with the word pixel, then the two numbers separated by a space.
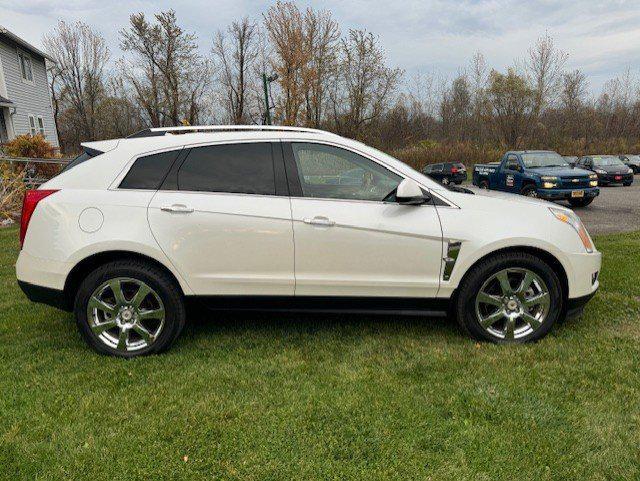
pixel 157 279
pixel 581 202
pixel 627 184
pixel 483 184
pixel 529 190
pixel 445 181
pixel 464 307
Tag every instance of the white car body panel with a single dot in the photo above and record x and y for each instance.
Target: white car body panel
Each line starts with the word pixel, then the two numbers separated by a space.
pixel 371 249
pixel 230 245
pixel 260 245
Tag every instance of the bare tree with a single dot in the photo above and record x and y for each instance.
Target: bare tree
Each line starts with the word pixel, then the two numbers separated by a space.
pixel 236 53
pixel 321 35
pixel 78 76
pixel 512 106
pixel 365 84
pixel 167 73
pixel 285 25
pixel 545 65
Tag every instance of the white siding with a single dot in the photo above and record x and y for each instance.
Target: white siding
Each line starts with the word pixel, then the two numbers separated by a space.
pixel 29 98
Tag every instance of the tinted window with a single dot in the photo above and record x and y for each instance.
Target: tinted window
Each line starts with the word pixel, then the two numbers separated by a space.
pixel 148 172
pixel 333 173
pixel 83 157
pixel 237 168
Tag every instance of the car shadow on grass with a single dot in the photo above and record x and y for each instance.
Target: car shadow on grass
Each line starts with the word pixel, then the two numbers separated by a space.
pixel 204 324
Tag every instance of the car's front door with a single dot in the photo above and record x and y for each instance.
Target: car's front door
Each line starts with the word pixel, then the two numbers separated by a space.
pixel 511 174
pixel 223 218
pixel 349 241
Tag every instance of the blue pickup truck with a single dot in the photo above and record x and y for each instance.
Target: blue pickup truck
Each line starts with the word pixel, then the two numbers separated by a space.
pixel 538 173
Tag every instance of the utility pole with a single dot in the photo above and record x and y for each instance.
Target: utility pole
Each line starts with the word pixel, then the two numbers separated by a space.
pixel 265 84
pixel 267 111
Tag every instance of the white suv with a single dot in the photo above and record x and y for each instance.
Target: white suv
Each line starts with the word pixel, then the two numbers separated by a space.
pixel 276 218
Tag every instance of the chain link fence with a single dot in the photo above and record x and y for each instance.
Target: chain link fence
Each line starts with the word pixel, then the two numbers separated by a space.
pixel 18 174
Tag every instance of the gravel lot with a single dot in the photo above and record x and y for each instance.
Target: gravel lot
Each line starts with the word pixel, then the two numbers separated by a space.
pixel 617 209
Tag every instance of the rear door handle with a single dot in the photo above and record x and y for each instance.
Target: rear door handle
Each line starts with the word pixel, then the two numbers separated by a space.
pixel 319 220
pixel 177 208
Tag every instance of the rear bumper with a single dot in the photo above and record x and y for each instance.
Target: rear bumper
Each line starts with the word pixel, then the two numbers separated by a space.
pixel 563 194
pixel 45 295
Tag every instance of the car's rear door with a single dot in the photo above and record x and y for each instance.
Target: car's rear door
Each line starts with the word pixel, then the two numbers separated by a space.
pixel 223 218
pixel 348 241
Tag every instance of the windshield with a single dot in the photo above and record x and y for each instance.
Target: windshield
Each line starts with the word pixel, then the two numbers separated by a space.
pixel 543 159
pixel 607 160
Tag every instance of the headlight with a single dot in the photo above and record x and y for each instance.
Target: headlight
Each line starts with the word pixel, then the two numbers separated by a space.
pixel 600 171
pixel 593 176
pixel 549 182
pixel 593 183
pixel 574 221
pixel 629 171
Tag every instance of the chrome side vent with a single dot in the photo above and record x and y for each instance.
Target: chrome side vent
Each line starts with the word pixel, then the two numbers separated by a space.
pixel 453 249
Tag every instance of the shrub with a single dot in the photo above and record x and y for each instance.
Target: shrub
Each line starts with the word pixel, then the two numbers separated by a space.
pixel 34 147
pixel 12 189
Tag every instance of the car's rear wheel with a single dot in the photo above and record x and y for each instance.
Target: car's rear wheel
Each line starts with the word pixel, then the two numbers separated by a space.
pixel 129 308
pixel 445 181
pixel 483 184
pixel 581 202
pixel 509 298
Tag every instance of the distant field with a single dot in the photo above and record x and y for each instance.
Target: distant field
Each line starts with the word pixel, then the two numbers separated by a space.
pixel 326 397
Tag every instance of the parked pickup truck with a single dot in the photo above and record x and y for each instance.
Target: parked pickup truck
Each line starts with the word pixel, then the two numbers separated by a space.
pixel 538 173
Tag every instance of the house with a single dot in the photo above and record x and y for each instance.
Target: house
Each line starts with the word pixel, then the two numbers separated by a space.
pixel 25 101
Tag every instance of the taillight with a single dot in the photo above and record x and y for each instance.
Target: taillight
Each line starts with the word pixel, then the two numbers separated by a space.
pixel 29 203
pixel 454 170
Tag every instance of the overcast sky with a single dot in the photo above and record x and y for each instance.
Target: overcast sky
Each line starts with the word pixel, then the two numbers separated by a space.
pixel 420 36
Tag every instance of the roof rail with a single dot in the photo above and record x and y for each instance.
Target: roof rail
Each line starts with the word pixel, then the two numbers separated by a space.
pixel 158 131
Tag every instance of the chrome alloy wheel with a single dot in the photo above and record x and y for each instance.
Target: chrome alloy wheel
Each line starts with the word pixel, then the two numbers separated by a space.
pixel 508 312
pixel 126 314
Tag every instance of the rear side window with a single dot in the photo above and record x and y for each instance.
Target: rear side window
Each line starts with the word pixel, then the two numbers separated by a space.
pixel 148 172
pixel 234 168
pixel 83 157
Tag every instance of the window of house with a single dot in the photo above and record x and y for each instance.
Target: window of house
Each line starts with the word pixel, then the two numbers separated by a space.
pixel 41 130
pixel 25 66
pixel 329 172
pixel 32 125
pixel 245 168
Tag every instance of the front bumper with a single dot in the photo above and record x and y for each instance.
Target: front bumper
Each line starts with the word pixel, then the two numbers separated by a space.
pixel 576 306
pixel 615 178
pixel 583 273
pixel 565 194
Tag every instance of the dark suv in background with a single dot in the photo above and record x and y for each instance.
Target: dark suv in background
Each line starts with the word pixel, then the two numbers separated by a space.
pixel 447 172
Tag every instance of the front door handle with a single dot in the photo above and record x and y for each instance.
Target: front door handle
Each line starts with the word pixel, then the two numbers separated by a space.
pixel 177 208
pixel 319 220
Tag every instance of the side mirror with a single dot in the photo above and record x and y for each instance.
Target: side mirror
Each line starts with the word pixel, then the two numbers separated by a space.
pixel 410 193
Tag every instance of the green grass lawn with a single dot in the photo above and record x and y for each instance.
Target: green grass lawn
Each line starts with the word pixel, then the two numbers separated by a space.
pixel 317 397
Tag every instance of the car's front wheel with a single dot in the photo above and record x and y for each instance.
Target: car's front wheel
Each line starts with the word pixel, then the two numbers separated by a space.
pixel 509 298
pixel 129 308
